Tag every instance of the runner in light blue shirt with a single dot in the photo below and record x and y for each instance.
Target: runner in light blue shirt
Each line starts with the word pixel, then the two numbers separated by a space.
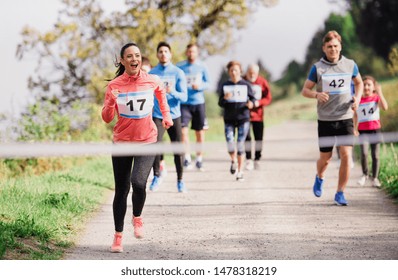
pixel 194 108
pixel 176 88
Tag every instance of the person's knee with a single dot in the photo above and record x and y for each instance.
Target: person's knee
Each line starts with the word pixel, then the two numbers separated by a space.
pixel 139 189
pixel 325 158
pixel 345 153
pixel 138 183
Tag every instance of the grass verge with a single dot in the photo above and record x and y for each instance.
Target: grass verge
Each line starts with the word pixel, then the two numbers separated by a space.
pixel 41 215
pixel 389 169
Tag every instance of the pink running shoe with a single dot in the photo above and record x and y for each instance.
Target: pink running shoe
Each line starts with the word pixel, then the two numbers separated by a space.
pixel 138 227
pixel 117 243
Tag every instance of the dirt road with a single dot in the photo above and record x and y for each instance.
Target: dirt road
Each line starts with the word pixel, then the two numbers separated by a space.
pixel 271 215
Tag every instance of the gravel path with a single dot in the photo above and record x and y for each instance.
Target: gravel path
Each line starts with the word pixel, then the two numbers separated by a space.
pixel 271 215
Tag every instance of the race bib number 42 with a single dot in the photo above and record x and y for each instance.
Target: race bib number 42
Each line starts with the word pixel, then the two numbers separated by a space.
pixel 135 105
pixel 336 83
pixel 239 93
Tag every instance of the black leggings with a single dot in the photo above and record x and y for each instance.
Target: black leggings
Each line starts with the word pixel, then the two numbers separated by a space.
pixel 138 177
pixel 258 131
pixel 374 149
pixel 175 135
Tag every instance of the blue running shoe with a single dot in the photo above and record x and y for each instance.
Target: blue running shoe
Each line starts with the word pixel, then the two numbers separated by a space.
pixel 187 164
pixel 155 184
pixel 181 187
pixel 339 199
pixel 199 166
pixel 318 186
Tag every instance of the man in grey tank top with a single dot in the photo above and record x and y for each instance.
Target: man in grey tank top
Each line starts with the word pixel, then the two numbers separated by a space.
pixel 332 76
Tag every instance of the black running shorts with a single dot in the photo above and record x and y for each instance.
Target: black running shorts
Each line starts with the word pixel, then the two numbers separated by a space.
pixel 331 133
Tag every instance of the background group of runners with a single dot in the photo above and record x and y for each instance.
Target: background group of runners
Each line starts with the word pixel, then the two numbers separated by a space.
pixel 150 101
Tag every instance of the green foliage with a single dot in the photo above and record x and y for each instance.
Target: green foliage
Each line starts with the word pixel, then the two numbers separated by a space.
pixel 78 52
pixel 212 108
pixel 389 118
pixel 40 215
pixel 44 121
pixel 368 62
pixel 389 169
pixel 376 24
pixel 291 80
pixel 366 58
pixel 76 57
pixel 393 61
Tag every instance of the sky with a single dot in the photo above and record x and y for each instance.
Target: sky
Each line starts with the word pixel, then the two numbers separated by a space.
pixel 276 35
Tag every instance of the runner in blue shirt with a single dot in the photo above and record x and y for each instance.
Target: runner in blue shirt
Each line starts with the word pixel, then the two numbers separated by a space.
pixel 176 88
pixel 194 108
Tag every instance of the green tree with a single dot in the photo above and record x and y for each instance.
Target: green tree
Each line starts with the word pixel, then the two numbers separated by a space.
pixel 376 24
pixel 366 58
pixel 78 52
pixel 76 56
pixel 264 71
pixel 393 61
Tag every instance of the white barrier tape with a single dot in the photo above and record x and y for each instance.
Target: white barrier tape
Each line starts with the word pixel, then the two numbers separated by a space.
pixel 32 150
pixel 386 137
pixel 54 149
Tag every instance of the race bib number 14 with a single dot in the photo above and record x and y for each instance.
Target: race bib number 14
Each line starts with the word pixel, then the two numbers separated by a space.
pixel 368 112
pixel 135 105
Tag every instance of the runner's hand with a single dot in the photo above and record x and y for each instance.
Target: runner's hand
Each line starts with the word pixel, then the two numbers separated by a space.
pixel 227 95
pixel 354 103
pixel 322 97
pixel 167 123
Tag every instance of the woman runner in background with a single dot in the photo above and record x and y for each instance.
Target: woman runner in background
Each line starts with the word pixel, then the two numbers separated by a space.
pixel 236 98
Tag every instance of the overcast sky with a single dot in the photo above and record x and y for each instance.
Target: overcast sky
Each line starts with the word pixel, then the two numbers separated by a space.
pixel 275 35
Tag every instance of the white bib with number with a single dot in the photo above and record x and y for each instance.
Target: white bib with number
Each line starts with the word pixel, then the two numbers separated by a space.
pixel 336 83
pixel 368 112
pixel 135 105
pixel 168 81
pixel 239 93
pixel 258 93
pixel 194 79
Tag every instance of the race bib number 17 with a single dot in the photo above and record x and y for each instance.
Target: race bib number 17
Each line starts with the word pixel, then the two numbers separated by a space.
pixel 135 105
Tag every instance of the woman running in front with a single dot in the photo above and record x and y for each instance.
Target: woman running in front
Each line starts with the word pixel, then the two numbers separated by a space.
pixel 236 98
pixel 130 97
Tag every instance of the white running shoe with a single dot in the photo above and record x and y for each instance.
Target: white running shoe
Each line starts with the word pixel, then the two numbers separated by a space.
pixel 239 176
pixel 362 180
pixel 376 183
pixel 256 164
pixel 249 165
